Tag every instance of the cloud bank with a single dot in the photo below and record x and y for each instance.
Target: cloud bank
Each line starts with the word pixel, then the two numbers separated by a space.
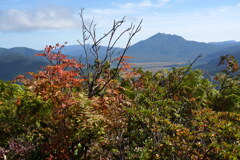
pixel 144 4
pixel 44 18
pixel 203 24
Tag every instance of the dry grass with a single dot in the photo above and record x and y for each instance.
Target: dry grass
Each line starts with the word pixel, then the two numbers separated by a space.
pixel 155 66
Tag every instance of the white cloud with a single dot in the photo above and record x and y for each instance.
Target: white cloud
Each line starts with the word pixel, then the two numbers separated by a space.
pixel 207 24
pixel 162 2
pixel 213 24
pixel 144 4
pixel 108 12
pixel 127 5
pixel 129 9
pixel 44 18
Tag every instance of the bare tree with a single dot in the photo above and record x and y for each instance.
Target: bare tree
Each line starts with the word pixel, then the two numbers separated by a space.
pixel 97 62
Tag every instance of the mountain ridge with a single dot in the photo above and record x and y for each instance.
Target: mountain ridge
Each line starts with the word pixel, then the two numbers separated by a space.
pixel 168 47
pixel 160 47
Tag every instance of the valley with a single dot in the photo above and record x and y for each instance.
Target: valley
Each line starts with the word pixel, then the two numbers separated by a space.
pixel 155 66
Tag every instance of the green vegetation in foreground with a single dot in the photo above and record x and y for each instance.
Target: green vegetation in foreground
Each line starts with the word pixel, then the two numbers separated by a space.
pixel 172 114
pixel 94 111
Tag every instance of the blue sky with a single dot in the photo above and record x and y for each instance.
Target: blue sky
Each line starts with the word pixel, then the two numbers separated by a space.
pixel 36 23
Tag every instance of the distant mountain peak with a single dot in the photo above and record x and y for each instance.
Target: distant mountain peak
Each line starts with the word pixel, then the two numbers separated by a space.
pixel 224 42
pixel 164 36
pixel 169 47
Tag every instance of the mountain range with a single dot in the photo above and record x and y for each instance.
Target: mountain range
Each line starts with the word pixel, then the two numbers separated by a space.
pixel 19 60
pixel 157 48
pixel 174 48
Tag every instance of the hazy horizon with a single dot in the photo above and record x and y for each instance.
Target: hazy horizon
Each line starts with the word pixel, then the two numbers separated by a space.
pixel 117 46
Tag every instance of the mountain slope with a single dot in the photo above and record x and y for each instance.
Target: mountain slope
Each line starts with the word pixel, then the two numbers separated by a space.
pixel 213 59
pixel 158 48
pixel 24 51
pixel 225 44
pixel 19 60
pixel 171 48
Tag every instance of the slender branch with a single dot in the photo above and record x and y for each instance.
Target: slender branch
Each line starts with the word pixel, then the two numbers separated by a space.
pixel 124 52
pixel 171 90
pixel 224 82
pixel 96 70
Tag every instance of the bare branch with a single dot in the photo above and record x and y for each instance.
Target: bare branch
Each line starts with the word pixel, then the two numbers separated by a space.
pixel 96 70
pixel 131 35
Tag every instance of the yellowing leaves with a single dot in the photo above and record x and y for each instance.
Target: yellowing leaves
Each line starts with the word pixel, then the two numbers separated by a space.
pixel 192 100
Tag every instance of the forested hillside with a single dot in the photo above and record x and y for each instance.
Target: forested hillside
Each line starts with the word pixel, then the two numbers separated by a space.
pixel 19 60
pixel 210 62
